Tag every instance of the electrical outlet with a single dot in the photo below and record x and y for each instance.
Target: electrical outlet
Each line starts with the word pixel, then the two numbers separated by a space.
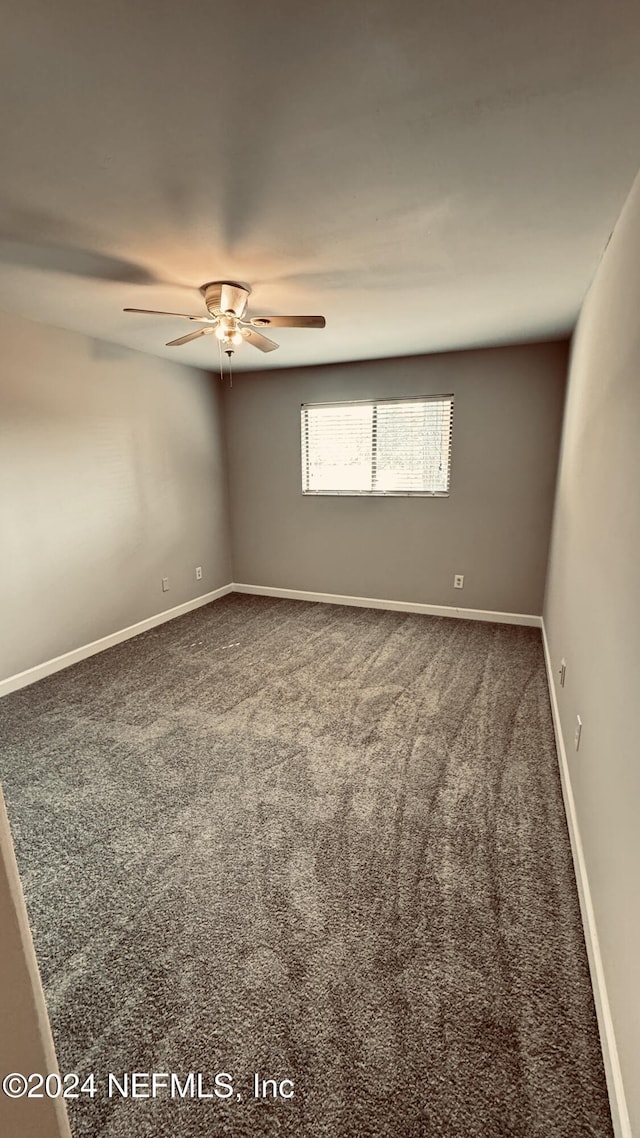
pixel 458 581
pixel 578 732
pixel 165 584
pixel 198 572
pixel 563 672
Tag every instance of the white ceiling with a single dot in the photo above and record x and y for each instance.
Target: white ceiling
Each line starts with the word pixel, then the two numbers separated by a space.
pixel 427 175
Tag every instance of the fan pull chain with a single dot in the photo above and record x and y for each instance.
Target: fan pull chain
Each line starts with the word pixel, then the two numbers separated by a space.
pixel 220 356
pixel 228 352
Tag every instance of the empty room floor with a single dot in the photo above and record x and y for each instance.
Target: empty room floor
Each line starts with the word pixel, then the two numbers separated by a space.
pixel 317 851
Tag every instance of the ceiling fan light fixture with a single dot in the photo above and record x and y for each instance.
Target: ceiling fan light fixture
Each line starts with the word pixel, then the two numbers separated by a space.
pixel 228 332
pixel 226 303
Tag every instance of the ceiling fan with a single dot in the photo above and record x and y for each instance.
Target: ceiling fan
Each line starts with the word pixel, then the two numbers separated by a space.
pixel 226 303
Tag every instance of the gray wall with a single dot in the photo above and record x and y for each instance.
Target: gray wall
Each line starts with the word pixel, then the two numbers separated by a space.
pixel 494 527
pixel 112 476
pixel 592 615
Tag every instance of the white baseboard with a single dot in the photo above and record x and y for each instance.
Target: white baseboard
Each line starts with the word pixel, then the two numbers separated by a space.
pixel 394 606
pixel 39 671
pixel 22 679
pixel 615 1085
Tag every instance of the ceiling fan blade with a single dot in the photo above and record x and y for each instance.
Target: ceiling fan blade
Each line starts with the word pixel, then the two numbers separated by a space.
pixel 233 298
pixel 191 336
pixel 258 340
pixel 184 315
pixel 288 321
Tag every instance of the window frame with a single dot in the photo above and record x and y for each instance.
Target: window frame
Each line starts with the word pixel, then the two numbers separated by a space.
pixel 375 403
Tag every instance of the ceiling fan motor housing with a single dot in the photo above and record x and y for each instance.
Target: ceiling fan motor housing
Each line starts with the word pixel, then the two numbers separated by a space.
pixel 212 293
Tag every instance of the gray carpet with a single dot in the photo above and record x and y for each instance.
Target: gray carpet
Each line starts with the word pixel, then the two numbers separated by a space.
pixel 318 843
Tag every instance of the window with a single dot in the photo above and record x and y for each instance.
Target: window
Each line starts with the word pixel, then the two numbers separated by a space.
pixel 384 446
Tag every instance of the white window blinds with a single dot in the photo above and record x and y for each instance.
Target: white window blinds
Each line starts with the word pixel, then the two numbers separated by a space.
pixel 386 446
